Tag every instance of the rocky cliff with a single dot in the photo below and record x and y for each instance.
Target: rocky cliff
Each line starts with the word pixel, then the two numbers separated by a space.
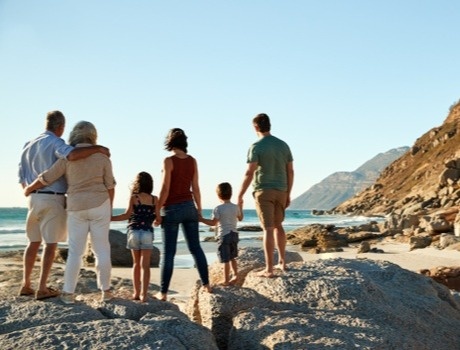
pixel 422 180
pixel 340 186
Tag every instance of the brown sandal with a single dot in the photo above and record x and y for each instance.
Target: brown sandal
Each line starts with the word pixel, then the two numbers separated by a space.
pixel 26 291
pixel 48 293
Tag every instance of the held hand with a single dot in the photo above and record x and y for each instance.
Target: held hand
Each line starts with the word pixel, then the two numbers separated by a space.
pixel 157 221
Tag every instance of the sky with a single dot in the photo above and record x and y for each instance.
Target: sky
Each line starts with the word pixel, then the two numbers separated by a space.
pixel 341 81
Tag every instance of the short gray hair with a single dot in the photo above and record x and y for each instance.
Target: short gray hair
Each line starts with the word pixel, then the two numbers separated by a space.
pixel 83 132
pixel 54 119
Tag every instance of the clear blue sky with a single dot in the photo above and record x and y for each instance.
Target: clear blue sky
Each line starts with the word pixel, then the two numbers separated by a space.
pixel 341 80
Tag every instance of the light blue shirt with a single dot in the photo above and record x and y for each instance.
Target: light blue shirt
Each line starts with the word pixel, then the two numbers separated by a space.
pixel 40 154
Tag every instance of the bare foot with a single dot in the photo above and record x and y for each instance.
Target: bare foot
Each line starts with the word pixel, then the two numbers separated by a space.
pixel 143 298
pixel 281 267
pixel 233 280
pixel 161 296
pixel 265 274
pixel 135 296
pixel 224 284
pixel 207 288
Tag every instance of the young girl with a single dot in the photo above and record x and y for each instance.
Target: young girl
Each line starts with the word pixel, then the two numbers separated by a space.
pixel 140 213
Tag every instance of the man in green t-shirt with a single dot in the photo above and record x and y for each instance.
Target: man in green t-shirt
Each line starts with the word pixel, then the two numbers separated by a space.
pixel 271 171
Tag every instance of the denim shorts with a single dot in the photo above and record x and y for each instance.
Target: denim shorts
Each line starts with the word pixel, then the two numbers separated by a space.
pixel 139 239
pixel 227 247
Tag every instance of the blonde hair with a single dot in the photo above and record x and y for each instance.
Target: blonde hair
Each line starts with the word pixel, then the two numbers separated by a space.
pixel 83 132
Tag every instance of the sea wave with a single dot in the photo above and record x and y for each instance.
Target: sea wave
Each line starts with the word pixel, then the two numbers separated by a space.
pixel 12 230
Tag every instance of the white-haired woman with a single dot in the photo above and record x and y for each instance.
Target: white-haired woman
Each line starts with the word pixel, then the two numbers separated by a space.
pixel 91 188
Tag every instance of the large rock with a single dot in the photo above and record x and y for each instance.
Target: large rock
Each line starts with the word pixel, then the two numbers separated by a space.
pixel 120 255
pixel 335 303
pixel 90 324
pixel 447 275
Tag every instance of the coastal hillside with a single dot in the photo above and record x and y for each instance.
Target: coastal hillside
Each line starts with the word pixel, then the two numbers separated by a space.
pixel 342 185
pixel 422 180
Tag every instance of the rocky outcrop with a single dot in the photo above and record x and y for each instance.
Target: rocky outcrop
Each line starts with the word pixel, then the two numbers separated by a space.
pixel 438 230
pixel 90 324
pixel 447 275
pixel 422 180
pixel 319 238
pixel 335 303
pixel 340 186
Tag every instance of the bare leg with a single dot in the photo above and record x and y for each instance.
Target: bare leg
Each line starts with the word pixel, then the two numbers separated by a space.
pixel 226 274
pixel 234 271
pixel 30 255
pixel 136 273
pixel 280 239
pixel 145 262
pixel 47 262
pixel 269 248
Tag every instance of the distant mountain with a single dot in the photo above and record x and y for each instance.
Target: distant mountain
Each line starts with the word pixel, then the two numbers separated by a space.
pixel 427 178
pixel 340 186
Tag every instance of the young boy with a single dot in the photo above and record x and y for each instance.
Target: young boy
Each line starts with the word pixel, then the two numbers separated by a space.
pixel 226 216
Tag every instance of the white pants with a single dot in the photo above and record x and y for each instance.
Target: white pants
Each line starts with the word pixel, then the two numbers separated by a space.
pixel 96 221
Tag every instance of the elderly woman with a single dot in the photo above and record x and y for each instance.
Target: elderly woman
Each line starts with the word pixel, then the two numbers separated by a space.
pixel 89 205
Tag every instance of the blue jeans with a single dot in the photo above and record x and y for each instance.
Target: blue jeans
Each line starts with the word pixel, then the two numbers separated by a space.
pixel 173 215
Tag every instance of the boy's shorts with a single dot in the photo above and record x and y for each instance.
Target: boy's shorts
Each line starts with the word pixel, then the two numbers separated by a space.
pixel 227 247
pixel 139 239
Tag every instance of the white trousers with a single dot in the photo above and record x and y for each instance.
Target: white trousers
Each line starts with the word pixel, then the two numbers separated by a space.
pixel 96 222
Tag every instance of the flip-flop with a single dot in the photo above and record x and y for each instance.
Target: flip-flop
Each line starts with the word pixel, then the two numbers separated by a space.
pixel 48 293
pixel 26 291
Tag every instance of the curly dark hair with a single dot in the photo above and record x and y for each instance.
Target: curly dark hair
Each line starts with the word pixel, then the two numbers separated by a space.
pixel 176 139
pixel 142 183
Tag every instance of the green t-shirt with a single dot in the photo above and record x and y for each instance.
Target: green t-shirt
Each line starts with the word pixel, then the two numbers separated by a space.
pixel 272 156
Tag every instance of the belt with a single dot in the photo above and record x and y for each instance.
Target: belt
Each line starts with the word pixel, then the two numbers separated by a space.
pixel 49 192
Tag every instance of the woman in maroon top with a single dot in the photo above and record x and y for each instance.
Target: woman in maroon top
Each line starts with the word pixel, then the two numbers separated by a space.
pixel 180 203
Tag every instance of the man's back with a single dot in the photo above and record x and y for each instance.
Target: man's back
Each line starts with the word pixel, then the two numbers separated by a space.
pixel 272 155
pixel 39 155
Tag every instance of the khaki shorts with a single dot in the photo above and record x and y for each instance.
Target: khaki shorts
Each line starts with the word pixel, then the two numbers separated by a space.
pixel 46 218
pixel 270 207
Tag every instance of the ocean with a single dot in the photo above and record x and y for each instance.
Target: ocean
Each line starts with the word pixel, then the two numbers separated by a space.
pixel 12 230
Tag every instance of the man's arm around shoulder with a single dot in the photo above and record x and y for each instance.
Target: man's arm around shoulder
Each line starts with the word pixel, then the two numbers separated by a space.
pixel 84 152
